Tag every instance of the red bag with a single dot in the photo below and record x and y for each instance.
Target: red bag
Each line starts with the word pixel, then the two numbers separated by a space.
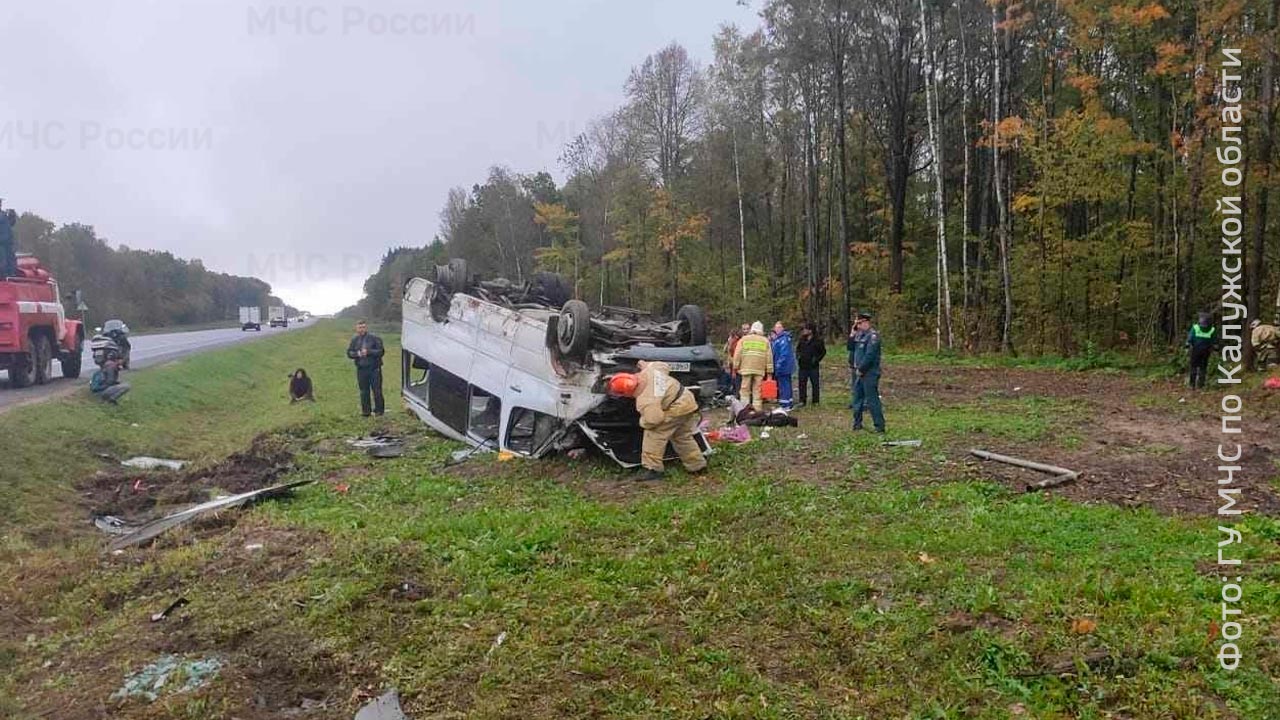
pixel 769 389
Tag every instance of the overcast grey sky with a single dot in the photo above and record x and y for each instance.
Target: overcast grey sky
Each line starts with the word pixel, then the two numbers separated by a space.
pixel 297 141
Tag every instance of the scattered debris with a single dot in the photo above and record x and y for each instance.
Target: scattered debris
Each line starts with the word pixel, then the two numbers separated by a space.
pixel 1061 476
pixel 497 642
pixel 390 450
pixel 731 434
pixel 506 456
pixel 1272 383
pixel 151 681
pixel 386 707
pixel 113 525
pixel 926 558
pixel 576 453
pixel 374 440
pixel 460 456
pixel 802 436
pixel 253 546
pixel 180 602
pixel 156 527
pixel 778 417
pixel 902 443
pixel 342 488
pixel 145 462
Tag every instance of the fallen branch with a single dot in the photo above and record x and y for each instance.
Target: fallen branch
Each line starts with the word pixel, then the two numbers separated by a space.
pixel 1061 476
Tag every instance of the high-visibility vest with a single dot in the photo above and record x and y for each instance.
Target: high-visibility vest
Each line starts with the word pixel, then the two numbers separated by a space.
pixel 1203 334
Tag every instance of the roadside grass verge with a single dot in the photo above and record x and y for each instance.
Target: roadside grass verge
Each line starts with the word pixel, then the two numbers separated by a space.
pixel 787 583
pixel 198 408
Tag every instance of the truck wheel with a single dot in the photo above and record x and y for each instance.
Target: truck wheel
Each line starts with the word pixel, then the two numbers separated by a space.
pixel 574 330
pixel 22 373
pixel 454 277
pixel 42 359
pixel 71 360
pixel 693 325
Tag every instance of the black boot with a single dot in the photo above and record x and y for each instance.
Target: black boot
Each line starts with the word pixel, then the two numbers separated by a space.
pixel 648 475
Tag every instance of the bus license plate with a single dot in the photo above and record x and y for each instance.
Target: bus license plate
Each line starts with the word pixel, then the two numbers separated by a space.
pixel 679 366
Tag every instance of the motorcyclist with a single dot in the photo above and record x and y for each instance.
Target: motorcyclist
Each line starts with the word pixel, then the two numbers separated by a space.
pixel 118 332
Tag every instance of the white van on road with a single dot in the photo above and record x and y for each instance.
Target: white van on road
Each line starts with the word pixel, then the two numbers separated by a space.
pixel 523 368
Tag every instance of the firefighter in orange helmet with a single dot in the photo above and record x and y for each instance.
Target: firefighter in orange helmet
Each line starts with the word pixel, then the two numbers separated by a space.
pixel 668 413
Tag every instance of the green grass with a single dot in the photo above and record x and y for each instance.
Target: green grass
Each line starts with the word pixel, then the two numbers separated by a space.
pixel 754 593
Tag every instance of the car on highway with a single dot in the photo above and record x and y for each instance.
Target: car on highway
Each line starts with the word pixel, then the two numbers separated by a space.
pixel 523 368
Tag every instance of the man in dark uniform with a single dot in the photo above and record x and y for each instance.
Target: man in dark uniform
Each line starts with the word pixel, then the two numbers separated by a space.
pixel 8 248
pixel 810 350
pixel 1202 338
pixel 366 350
pixel 864 364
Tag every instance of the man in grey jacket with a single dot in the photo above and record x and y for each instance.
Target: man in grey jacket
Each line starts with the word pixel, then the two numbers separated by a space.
pixel 367 351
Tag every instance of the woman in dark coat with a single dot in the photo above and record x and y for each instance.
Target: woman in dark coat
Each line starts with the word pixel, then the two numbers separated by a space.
pixel 300 387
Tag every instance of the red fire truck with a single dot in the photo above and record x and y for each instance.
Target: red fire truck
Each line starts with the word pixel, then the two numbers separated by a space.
pixel 34 328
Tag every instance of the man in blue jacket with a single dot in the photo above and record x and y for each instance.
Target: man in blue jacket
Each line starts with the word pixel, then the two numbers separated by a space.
pixel 864 364
pixel 784 362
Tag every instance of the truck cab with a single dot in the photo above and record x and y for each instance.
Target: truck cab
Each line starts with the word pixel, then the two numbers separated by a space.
pixel 34 328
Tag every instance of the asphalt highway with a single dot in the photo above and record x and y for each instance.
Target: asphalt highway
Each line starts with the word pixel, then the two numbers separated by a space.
pixel 147 350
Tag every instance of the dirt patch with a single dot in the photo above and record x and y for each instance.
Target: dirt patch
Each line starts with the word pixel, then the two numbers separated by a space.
pixel 133 495
pixel 1136 442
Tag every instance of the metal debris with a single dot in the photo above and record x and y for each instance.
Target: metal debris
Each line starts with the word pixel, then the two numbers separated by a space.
pixel 113 525
pixel 390 450
pixel 180 602
pixel 161 525
pixel 153 680
pixel 902 443
pixel 375 440
pixel 386 707
pixel 145 462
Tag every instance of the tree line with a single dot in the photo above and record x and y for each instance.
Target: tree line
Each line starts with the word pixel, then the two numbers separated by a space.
pixel 982 174
pixel 145 288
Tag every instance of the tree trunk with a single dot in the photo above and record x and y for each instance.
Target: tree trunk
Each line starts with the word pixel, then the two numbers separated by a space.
pixel 1006 341
pixel 942 326
pixel 1257 256
pixel 964 142
pixel 742 226
pixel 843 187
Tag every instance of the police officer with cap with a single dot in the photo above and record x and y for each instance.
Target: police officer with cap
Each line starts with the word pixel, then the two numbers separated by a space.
pixel 864 365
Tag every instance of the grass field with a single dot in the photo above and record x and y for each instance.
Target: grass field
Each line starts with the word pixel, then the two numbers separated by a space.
pixel 814 574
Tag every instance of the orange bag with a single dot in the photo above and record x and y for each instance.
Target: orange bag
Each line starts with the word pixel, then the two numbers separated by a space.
pixel 769 389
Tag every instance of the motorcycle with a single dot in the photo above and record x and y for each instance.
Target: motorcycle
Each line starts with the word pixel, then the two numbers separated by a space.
pixel 111 342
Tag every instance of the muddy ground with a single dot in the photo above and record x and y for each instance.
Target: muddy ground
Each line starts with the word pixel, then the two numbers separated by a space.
pixel 1136 442
pixel 133 495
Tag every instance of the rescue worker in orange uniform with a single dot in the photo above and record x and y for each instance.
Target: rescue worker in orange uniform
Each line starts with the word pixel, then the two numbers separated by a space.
pixel 668 414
